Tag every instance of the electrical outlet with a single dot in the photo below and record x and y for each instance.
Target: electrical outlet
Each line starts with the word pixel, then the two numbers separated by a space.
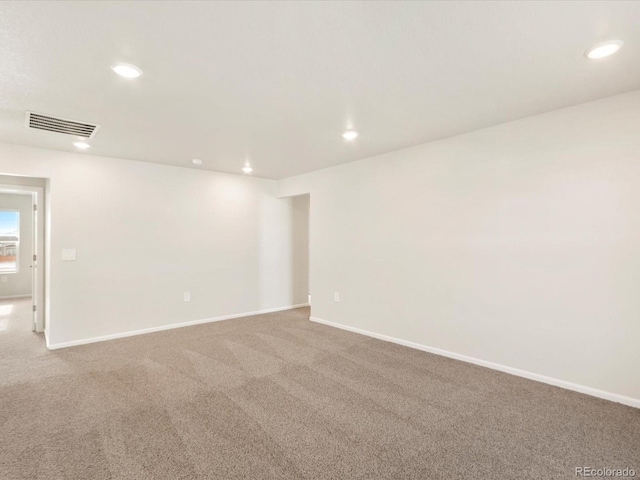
pixel 336 297
pixel 187 296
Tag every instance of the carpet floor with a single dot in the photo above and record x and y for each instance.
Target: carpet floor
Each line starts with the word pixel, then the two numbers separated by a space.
pixel 278 397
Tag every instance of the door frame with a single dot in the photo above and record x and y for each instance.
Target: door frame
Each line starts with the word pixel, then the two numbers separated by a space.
pixel 38 294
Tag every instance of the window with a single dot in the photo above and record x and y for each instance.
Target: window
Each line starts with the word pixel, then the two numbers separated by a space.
pixel 9 241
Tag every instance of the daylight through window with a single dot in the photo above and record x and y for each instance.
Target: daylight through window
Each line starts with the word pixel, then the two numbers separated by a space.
pixel 9 241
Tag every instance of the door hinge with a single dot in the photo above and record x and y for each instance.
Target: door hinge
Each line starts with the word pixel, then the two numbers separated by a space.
pixel 35 257
pixel 35 207
pixel 34 308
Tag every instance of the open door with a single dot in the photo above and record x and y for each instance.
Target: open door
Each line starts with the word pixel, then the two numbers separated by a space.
pixel 33 262
pixel 37 274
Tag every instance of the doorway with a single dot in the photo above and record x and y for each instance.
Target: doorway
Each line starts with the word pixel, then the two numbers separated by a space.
pixel 22 252
pixel 301 251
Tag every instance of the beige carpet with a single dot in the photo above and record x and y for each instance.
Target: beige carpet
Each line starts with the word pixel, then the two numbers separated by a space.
pixel 276 396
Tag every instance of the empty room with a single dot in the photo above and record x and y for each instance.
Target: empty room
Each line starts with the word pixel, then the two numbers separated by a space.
pixel 319 240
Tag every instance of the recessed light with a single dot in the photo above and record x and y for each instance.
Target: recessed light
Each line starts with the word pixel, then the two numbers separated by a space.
pixel 350 135
pixel 604 49
pixel 247 169
pixel 81 145
pixel 196 161
pixel 126 70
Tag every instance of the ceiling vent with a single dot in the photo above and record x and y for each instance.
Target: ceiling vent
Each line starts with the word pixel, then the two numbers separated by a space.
pixel 61 125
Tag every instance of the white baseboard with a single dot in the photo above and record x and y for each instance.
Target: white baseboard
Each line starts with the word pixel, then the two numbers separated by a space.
pixel 113 336
pixel 10 297
pixel 614 397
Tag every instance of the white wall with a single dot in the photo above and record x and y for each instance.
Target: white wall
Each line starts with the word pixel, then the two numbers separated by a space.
pixel 517 244
pixel 300 250
pixel 20 283
pixel 146 233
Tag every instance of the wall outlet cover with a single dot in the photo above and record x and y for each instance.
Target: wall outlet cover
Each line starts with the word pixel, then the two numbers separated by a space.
pixel 68 254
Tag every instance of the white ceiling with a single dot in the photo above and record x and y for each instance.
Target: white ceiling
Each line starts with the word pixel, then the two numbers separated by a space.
pixel 278 82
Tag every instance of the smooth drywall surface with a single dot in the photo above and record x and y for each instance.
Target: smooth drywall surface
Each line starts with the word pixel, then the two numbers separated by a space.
pixel 517 244
pixel 300 248
pixel 19 284
pixel 145 234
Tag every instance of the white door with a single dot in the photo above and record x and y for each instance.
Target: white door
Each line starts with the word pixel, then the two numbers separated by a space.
pixel 37 274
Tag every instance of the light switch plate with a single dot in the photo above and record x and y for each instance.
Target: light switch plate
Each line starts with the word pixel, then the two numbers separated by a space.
pixel 69 254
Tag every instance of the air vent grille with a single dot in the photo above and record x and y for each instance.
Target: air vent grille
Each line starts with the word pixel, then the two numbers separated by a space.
pixel 61 125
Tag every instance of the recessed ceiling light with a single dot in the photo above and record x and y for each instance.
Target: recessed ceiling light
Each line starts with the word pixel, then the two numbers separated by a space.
pixel 247 169
pixel 196 161
pixel 126 70
pixel 604 49
pixel 81 145
pixel 350 135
